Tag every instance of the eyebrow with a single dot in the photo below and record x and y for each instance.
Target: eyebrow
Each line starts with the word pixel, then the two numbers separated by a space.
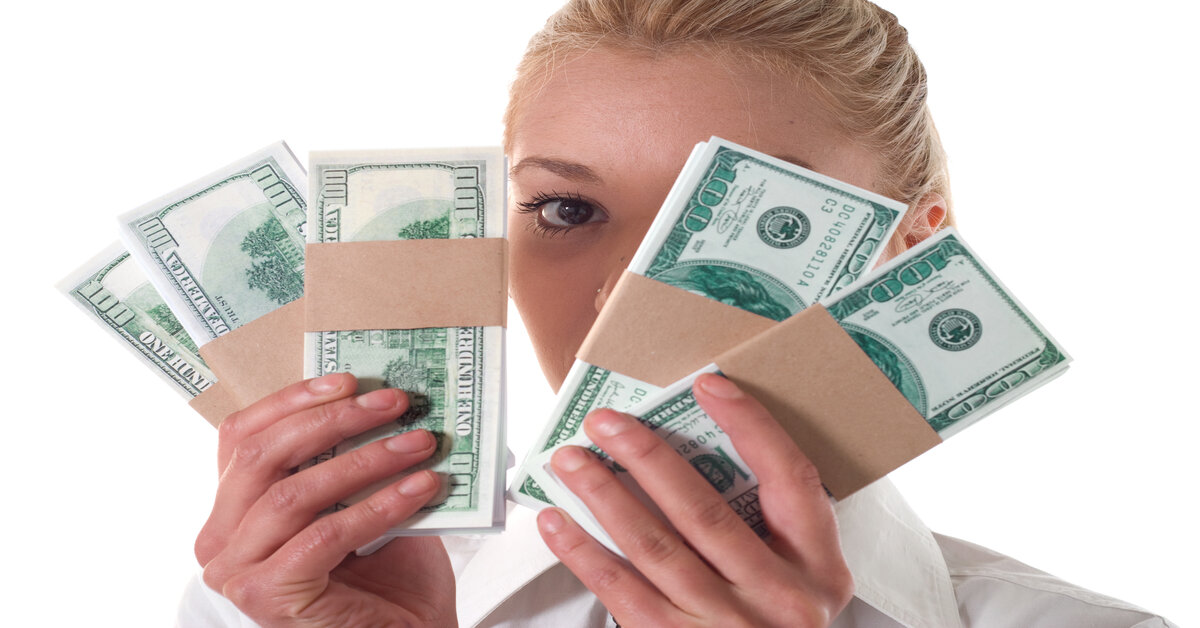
pixel 581 173
pixel 565 169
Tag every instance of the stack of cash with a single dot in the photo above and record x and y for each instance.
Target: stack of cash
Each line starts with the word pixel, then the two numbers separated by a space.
pixel 942 328
pixel 742 228
pixel 453 375
pixel 228 249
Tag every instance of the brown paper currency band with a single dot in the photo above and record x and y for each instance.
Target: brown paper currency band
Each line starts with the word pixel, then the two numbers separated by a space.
pixel 261 356
pixel 659 334
pixel 406 284
pixel 215 404
pixel 833 401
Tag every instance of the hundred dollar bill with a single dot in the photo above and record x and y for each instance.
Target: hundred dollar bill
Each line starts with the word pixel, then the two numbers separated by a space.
pixel 936 321
pixel 745 229
pixel 115 293
pixel 227 248
pixel 454 375
pixel 948 334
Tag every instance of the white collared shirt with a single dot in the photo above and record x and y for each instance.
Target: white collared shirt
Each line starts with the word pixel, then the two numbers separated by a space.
pixel 904 575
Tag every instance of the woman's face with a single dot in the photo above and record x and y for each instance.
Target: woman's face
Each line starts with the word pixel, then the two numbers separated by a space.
pixel 595 151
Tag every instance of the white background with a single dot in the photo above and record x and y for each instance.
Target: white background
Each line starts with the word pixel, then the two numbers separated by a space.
pixel 1071 127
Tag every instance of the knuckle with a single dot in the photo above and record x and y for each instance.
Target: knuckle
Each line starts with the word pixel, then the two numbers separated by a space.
pixel 813 615
pixel 327 531
pixel 209 576
pixel 327 413
pixel 598 481
pixel 571 545
pixel 241 589
pixel 794 609
pixel 381 505
pixel 362 462
pixel 342 417
pixel 215 575
pixel 605 577
pixel 655 545
pixel 284 495
pixel 230 430
pixel 248 455
pixel 636 445
pixel 803 473
pixel 803 607
pixel 712 514
pixel 207 546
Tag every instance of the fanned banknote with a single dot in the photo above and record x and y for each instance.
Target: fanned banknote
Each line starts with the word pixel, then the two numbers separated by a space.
pixel 115 293
pixel 947 334
pixel 454 375
pixel 745 229
pixel 227 248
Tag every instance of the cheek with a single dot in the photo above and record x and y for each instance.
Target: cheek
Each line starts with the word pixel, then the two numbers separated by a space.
pixel 556 294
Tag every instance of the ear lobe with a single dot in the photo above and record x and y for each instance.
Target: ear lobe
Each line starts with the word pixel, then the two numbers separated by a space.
pixel 929 215
pixel 938 211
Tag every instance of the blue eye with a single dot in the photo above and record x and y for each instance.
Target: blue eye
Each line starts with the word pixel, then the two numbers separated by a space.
pixel 557 213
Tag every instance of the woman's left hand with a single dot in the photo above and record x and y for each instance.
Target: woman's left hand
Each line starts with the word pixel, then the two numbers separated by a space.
pixel 714 571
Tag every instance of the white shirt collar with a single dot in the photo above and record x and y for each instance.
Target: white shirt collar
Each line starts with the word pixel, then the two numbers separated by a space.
pixel 897 565
pixel 503 565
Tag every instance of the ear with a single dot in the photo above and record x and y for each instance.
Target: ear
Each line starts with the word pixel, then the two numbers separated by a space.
pixel 924 219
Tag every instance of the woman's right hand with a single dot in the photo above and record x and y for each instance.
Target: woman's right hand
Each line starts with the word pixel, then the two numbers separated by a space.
pixel 264 547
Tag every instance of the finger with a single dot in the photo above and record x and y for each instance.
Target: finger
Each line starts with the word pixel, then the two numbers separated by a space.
pixel 291 504
pixel 624 592
pixel 298 572
pixel 269 455
pixel 323 544
pixel 795 506
pixel 652 547
pixel 690 503
pixel 286 401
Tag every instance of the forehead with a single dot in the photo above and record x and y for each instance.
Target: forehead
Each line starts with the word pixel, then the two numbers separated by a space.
pixel 609 107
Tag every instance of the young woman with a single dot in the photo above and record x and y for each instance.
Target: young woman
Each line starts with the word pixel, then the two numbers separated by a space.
pixel 608 102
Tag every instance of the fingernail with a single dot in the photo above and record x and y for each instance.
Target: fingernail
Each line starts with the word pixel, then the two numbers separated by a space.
pixel 409 442
pixel 718 386
pixel 570 458
pixel 418 483
pixel 325 384
pixel 378 399
pixel 608 422
pixel 550 520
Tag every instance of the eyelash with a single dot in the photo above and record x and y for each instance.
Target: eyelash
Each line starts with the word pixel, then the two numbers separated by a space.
pixel 534 206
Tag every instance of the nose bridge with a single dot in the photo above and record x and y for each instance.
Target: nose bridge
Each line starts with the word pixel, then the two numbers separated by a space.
pixel 630 239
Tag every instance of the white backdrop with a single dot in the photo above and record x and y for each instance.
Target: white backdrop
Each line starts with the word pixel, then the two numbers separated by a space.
pixel 1072 137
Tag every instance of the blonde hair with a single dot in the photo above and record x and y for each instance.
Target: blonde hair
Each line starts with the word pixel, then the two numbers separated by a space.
pixel 855 54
